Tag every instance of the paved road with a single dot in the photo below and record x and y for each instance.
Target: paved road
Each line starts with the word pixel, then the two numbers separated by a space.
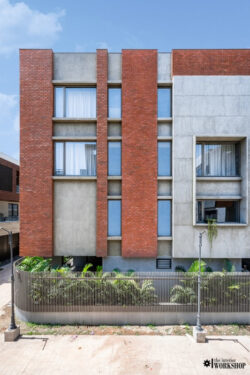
pixel 119 355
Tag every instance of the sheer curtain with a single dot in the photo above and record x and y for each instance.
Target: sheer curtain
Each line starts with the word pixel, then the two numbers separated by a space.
pixel 59 168
pixel 80 159
pixel 81 102
pixel 220 160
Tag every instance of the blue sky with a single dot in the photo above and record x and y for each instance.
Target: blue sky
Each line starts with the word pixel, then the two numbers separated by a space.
pixel 80 25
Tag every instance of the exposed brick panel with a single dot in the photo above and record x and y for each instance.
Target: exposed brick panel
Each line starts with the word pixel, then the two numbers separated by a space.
pixel 139 153
pixel 36 152
pixel 10 196
pixel 211 62
pixel 102 112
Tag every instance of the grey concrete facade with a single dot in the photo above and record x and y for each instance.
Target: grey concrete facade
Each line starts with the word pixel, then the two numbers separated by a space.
pixel 203 108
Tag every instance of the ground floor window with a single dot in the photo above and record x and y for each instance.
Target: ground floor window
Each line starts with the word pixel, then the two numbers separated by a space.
pixel 219 210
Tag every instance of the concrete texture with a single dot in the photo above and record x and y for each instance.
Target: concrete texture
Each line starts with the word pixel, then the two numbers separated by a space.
pixel 125 264
pixel 114 66
pixel 80 130
pixel 74 218
pixel 164 67
pixel 120 355
pixel 114 248
pixel 84 67
pixel 208 106
pixel 11 335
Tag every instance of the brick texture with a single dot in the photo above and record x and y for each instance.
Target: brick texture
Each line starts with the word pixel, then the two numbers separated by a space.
pixel 36 153
pixel 139 153
pixel 211 62
pixel 102 102
pixel 10 196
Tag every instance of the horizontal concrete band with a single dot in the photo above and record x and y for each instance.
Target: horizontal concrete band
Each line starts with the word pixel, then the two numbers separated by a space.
pixel 133 318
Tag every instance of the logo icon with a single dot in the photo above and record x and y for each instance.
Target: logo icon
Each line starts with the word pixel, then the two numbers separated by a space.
pixel 206 363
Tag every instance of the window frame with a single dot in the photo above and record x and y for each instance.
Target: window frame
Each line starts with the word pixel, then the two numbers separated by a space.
pixel 64 99
pixel 170 161
pixel 203 167
pixel 115 88
pixel 159 87
pixel 120 218
pixel 64 158
pixel 114 175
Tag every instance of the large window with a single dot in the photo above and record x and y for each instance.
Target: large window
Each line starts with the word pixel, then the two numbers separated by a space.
pixel 114 103
pixel 114 218
pixel 75 102
pixel 75 158
pixel 221 211
pixel 218 159
pixel 164 158
pixel 164 102
pixel 164 218
pixel 114 158
pixel 6 178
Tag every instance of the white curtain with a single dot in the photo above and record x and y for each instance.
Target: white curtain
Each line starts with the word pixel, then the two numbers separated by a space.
pixel 220 160
pixel 59 170
pixel 80 159
pixel 81 102
pixel 58 102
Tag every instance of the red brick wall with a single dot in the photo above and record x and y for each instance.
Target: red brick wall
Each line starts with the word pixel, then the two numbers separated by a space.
pixel 139 153
pixel 8 195
pixel 36 152
pixel 101 204
pixel 211 62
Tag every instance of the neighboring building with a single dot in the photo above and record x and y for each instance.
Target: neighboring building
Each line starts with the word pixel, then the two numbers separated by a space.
pixel 124 156
pixel 9 202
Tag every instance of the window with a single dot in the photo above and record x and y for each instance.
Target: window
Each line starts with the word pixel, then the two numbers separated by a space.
pixel 114 158
pixel 214 159
pixel 17 181
pixel 114 100
pixel 221 211
pixel 164 158
pixel 75 158
pixel 12 210
pixel 164 263
pixel 164 102
pixel 75 102
pixel 164 218
pixel 114 218
pixel 6 178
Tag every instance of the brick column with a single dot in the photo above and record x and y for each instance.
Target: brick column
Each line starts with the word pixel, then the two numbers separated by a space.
pixel 139 153
pixel 102 159
pixel 36 153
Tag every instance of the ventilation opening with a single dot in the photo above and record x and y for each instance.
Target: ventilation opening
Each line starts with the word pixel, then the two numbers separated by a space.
pixel 164 263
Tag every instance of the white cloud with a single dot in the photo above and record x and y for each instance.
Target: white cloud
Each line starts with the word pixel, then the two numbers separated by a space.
pixel 23 27
pixel 103 45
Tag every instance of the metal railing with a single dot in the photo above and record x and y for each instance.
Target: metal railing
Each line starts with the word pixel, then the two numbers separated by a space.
pixel 170 292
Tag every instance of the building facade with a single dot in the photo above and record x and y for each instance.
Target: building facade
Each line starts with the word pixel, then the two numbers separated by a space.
pixel 9 202
pixel 125 157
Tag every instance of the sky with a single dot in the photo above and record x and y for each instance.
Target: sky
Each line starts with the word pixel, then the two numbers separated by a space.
pixel 83 26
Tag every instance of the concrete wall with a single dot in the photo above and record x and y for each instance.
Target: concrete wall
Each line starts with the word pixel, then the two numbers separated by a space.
pixel 164 67
pixel 74 218
pixel 207 106
pixel 75 67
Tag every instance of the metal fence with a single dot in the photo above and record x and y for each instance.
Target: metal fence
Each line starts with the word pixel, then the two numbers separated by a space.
pixel 156 292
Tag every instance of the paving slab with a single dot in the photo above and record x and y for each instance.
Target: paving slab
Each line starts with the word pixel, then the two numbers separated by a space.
pixel 120 355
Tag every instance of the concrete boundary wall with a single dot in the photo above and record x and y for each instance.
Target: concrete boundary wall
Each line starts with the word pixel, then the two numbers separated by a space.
pixel 133 318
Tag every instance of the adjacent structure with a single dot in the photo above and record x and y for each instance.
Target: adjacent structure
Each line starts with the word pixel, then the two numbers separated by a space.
pixel 9 202
pixel 126 156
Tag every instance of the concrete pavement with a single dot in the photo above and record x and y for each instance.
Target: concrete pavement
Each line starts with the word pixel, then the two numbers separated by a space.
pixel 4 287
pixel 120 355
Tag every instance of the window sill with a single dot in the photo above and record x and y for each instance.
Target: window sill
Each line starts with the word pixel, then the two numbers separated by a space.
pixel 214 178
pixel 73 83
pixel 219 197
pixel 114 138
pixel 222 225
pixel 114 197
pixel 114 177
pixel 164 138
pixel 164 177
pixel 74 119
pixel 114 238
pixel 164 119
pixel 164 197
pixel 74 138
pixel 74 178
pixel 164 238
pixel 113 119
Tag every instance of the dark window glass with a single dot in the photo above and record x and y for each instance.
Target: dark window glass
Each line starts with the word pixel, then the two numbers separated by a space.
pixel 5 178
pixel 12 211
pixel 114 158
pixel 114 100
pixel 164 218
pixel 221 211
pixel 114 218
pixel 164 102
pixel 164 158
